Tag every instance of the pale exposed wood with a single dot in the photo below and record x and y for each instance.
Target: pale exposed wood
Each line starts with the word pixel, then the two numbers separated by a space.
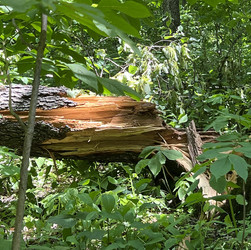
pixel 94 128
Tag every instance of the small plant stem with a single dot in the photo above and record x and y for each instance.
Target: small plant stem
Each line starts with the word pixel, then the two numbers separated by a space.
pixel 232 215
pixel 133 189
pixel 16 242
pixel 244 215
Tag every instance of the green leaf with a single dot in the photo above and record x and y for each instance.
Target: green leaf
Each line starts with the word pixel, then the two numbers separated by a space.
pixel 221 167
pixel 118 88
pixel 85 198
pixel 95 234
pixel 213 153
pixel 112 180
pixel 6 244
pixel 240 199
pixel 183 118
pixel 246 150
pixel 64 220
pixel 148 150
pixel 155 163
pixel 136 244
pixel 7 171
pixel 200 171
pixel 84 75
pixel 192 1
pixel 194 198
pixel 240 166
pixel 132 69
pixel 214 3
pixel 170 243
pixel 172 154
pixel 141 164
pixel 193 186
pixel 19 6
pixel 108 202
pixel 130 8
pixel 221 197
pixel 218 184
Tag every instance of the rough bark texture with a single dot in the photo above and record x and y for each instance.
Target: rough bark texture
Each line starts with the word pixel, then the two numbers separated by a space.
pixel 91 127
pixel 172 6
pixel 112 128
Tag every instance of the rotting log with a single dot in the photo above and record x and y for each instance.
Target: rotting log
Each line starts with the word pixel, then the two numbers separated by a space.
pixel 90 127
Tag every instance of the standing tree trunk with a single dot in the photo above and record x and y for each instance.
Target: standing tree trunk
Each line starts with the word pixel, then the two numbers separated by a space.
pixel 16 243
pixel 173 8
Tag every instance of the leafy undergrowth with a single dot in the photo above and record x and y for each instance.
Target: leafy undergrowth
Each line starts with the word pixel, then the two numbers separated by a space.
pixel 78 205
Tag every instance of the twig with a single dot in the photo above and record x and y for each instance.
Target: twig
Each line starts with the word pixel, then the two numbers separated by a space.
pixel 21 35
pixel 10 92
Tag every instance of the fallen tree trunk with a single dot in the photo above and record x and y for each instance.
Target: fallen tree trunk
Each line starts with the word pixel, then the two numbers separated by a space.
pixel 90 127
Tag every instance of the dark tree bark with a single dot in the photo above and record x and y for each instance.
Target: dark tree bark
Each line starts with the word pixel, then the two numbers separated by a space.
pixel 173 8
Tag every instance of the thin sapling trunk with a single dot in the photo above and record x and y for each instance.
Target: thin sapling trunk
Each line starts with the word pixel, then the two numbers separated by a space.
pixel 16 243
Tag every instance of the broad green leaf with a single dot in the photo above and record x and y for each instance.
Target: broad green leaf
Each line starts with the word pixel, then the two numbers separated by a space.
pixel 148 150
pixel 84 182
pixel 132 69
pixel 228 137
pixel 172 154
pixel 40 161
pixel 193 186
pixel 64 220
pixel 221 197
pixel 7 171
pixel 240 166
pixel 214 3
pixel 170 243
pixel 136 244
pixel 194 198
pixel 85 198
pixel 118 88
pixel 200 171
pixel 218 184
pixel 240 199
pixel 141 164
pixel 221 167
pixel 155 163
pixel 19 6
pixel 246 150
pixel 130 216
pixel 130 8
pixel 108 202
pixel 192 1
pixel 84 75
pixel 95 234
pixel 214 153
pixel 142 184
pixel 112 180
pixel 183 118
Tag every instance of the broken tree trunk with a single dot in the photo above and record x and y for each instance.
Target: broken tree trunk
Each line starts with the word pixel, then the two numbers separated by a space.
pixel 90 127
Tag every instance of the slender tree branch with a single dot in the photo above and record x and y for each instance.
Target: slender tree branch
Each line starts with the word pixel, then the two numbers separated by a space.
pixel 21 35
pixel 10 93
pixel 16 243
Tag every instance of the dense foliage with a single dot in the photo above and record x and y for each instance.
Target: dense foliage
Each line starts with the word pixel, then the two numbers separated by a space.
pixel 201 73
